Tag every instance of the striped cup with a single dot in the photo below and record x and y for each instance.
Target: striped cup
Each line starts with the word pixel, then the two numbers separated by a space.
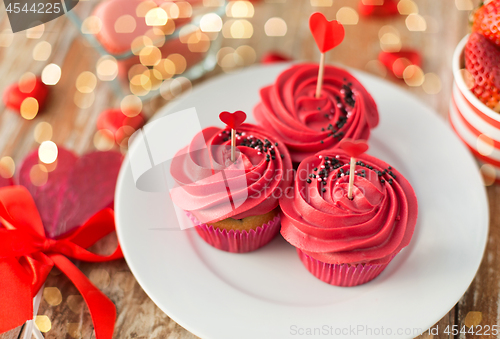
pixel 477 125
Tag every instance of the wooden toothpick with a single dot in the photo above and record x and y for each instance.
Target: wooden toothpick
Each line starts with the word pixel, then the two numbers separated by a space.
pixel 351 177
pixel 233 145
pixel 320 75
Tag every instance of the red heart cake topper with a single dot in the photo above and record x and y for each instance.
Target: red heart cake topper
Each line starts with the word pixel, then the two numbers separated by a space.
pixel 13 96
pixel 233 120
pixel 327 34
pixel 354 148
pixel 396 62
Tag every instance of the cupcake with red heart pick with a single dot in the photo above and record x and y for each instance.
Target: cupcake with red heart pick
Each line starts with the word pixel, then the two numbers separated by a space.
pixel 230 181
pixel 349 214
pixel 311 107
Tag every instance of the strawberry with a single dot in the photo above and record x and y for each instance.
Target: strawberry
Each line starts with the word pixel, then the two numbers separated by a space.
pixel 482 60
pixel 486 21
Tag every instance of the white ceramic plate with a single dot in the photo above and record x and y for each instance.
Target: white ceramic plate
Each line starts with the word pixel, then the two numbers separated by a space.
pixel 268 293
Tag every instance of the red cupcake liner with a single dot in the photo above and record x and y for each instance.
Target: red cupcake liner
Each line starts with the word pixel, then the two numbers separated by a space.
pixel 237 241
pixel 345 275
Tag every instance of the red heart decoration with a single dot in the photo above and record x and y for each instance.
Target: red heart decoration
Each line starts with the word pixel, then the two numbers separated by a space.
pixel 396 62
pixel 233 120
pixel 114 121
pixel 272 57
pixel 13 97
pixel 327 34
pixel 76 189
pixel 353 148
pixel 373 8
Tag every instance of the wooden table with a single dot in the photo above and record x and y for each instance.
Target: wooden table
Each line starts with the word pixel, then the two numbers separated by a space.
pixel 74 128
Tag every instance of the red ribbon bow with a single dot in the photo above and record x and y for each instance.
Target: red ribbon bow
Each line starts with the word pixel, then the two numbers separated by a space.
pixel 27 256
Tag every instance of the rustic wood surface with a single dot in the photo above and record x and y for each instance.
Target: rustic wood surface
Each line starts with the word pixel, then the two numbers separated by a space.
pixel 74 128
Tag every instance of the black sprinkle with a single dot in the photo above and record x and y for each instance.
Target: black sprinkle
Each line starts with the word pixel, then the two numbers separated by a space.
pixel 275 144
pixel 282 156
pixel 308 181
pixel 323 190
pixel 322 141
pixel 273 157
pixel 382 181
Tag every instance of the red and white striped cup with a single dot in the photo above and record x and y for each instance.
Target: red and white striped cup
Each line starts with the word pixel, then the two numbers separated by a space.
pixel 476 124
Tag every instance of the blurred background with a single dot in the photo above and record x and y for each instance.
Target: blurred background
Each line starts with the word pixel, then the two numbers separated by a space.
pixel 96 59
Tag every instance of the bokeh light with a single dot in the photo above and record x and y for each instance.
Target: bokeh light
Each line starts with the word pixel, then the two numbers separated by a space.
pixel 83 100
pixel 213 3
pixel 179 61
pixel 321 3
pixel 75 303
pixel 489 174
pixel 413 76
pixel 211 22
pixel 47 152
pixel 237 29
pixel 416 23
pixel 42 51
pixel 150 56
pixel 156 17
pixel 7 167
pixel 27 82
pixel 43 323
pixel 52 296
pixel 51 74
pixel 275 27
pixel 485 145
pixel 29 108
pixel 247 54
pixel 131 105
pixel 432 84
pixel 100 278
pixel 407 7
pixel 198 42
pixel 39 175
pixel 144 7
pixel 169 89
pixel 107 68
pixel 86 82
pixel 104 140
pixel 42 132
pixel 347 16
pixel 91 25
pixel 35 32
pixel 74 330
pixel 240 9
pixel 125 24
pixel 390 40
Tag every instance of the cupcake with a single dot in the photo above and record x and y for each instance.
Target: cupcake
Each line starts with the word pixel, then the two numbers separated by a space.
pixel 307 125
pixel 233 205
pixel 341 241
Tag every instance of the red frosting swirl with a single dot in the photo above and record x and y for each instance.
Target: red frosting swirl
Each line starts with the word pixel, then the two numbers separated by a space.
pixel 213 188
pixel 319 218
pixel 289 109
